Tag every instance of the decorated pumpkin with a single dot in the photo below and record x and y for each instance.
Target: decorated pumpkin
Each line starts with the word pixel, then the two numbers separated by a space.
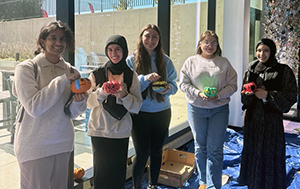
pixel 210 91
pixel 110 87
pixel 78 173
pixel 159 86
pixel 80 85
pixel 249 87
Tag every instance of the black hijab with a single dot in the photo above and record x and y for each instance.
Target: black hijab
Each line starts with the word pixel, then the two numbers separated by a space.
pixel 270 43
pixel 261 67
pixel 121 66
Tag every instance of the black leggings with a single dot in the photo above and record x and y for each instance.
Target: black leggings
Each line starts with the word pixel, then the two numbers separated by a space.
pixel 110 162
pixel 149 133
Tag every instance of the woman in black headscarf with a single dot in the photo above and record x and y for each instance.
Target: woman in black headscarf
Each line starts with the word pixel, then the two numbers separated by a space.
pixel 263 156
pixel 110 120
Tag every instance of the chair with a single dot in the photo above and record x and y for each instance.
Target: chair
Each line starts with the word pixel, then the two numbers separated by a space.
pixel 14 103
pixel 5 99
pixel 10 104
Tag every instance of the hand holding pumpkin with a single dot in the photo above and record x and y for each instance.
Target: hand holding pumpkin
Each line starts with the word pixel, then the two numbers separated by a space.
pixel 249 88
pixel 122 92
pixel 153 77
pixel 73 75
pixel 211 94
pixel 111 87
pixel 78 97
pixel 210 91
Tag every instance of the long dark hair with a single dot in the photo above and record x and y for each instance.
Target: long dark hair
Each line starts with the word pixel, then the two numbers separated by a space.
pixel 50 27
pixel 203 36
pixel 143 60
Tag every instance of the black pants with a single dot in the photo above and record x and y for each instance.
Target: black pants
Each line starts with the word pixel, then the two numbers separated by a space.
pixel 110 162
pixel 149 133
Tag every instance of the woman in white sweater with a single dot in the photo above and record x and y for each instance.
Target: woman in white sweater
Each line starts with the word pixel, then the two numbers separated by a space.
pixel 110 121
pixel 208 80
pixel 44 135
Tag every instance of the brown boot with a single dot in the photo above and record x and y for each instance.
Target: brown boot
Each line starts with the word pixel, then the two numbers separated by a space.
pixel 202 186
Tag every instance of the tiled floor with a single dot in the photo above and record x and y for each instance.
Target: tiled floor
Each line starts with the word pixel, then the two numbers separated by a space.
pixel 9 169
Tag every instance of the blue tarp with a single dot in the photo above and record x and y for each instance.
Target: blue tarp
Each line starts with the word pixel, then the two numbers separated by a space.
pixel 232 158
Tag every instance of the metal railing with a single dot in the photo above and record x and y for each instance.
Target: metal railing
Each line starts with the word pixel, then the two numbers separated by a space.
pixel 90 6
pixel 109 5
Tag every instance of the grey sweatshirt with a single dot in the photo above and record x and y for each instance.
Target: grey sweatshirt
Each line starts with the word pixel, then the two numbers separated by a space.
pixel 198 73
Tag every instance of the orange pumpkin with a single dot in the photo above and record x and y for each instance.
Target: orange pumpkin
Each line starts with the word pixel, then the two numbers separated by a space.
pixel 80 85
pixel 78 173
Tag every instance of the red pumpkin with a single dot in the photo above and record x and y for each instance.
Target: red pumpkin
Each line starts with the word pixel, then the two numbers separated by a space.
pixel 80 85
pixel 249 87
pixel 110 87
pixel 78 173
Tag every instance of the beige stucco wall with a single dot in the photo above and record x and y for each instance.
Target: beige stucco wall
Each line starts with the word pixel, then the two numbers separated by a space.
pixel 92 30
pixel 21 31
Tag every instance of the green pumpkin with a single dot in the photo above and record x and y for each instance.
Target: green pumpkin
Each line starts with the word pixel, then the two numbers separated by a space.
pixel 210 91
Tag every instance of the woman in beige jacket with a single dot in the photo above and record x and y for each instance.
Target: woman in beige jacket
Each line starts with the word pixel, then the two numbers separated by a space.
pixel 110 120
pixel 44 134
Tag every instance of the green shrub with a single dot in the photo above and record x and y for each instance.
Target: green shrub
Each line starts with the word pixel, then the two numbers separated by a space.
pixel 8 51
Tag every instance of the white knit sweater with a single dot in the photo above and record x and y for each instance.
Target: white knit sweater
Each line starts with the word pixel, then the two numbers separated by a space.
pixel 45 129
pixel 101 123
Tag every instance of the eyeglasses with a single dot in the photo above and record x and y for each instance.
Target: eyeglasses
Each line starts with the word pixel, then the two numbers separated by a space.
pixel 206 43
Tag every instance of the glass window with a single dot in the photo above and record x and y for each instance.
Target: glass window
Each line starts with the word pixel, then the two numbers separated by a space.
pixel 91 33
pixel 188 21
pixel 20 22
pixel 95 21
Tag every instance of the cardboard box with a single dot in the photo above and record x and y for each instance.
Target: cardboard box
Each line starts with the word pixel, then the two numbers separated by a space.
pixel 177 167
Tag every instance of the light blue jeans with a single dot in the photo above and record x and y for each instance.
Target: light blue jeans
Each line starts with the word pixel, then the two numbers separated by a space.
pixel 209 128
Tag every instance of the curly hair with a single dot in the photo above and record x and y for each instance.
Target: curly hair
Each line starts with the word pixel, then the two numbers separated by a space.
pixel 50 27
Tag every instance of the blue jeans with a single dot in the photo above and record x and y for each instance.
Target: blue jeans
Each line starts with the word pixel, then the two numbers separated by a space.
pixel 209 128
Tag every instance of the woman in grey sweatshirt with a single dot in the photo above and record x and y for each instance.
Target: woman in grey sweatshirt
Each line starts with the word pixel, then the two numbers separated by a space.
pixel 208 80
